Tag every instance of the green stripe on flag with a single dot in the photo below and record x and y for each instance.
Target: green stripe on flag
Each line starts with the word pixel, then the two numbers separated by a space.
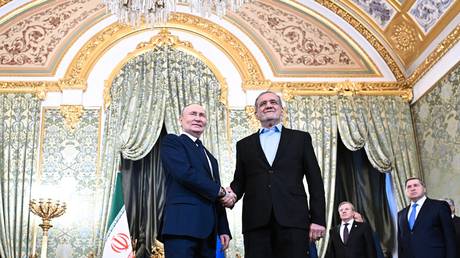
pixel 117 199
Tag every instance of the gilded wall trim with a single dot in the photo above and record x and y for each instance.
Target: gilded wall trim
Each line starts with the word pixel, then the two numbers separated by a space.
pixel 450 41
pixel 39 88
pixel 72 115
pixel 395 69
pixel 4 2
pixel 165 38
pixel 82 64
pixel 291 89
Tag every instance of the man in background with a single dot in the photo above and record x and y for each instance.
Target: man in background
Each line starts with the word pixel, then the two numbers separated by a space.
pixel 270 167
pixel 351 238
pixel 192 214
pixel 456 221
pixel 425 227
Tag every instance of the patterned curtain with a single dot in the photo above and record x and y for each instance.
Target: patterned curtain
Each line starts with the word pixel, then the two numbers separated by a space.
pixel 20 118
pixel 383 125
pixel 191 81
pixel 151 90
pixel 317 115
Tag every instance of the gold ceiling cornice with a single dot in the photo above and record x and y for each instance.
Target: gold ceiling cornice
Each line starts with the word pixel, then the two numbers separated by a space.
pixel 368 35
pixel 450 41
pixel 4 2
pixel 347 88
pixel 78 71
pixel 238 53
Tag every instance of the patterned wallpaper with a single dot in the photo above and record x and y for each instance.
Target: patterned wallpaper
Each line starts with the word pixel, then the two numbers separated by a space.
pixel 437 124
pixel 69 172
pixel 239 128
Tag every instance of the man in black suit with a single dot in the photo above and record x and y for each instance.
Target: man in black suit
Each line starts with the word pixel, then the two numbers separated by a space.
pixel 192 215
pixel 456 221
pixel 270 167
pixel 350 239
pixel 425 228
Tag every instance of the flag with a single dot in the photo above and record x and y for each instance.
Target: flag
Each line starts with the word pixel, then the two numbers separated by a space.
pixel 118 239
pixel 219 252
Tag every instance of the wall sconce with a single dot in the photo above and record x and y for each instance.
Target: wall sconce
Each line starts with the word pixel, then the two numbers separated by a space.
pixel 47 210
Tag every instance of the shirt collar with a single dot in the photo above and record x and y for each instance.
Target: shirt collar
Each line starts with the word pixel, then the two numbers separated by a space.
pixel 190 136
pixel 420 201
pixel 350 222
pixel 276 128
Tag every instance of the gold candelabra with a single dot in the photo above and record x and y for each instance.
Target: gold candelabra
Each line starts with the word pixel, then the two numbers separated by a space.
pixel 47 210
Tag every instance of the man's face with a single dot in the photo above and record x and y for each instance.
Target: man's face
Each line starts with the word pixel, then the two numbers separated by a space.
pixel 193 120
pixel 268 108
pixel 415 190
pixel 346 212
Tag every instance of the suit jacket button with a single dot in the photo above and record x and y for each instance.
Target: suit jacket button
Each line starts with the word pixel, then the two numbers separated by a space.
pixel 271 171
pixel 269 186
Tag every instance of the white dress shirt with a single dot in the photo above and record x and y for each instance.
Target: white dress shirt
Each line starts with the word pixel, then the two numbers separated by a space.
pixel 342 227
pixel 420 202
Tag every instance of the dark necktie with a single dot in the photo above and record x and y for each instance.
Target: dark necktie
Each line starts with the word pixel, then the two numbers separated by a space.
pixel 199 144
pixel 346 234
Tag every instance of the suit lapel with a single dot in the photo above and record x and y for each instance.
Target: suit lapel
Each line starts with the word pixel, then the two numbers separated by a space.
pixel 283 145
pixel 197 151
pixel 354 227
pixel 423 211
pixel 259 150
pixel 405 223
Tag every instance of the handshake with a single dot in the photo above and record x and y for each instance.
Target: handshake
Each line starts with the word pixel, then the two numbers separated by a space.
pixel 228 197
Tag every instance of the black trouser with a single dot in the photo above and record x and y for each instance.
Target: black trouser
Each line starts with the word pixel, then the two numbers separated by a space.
pixel 276 241
pixel 189 247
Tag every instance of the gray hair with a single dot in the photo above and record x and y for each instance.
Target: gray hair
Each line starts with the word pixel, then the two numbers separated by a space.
pixel 346 202
pixel 267 92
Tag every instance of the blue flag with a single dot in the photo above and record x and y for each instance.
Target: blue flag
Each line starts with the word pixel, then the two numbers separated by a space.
pixel 219 252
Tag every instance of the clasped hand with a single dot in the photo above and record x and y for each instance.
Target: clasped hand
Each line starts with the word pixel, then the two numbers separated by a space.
pixel 229 199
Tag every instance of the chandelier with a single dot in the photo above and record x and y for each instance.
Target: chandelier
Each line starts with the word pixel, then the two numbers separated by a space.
pixel 156 12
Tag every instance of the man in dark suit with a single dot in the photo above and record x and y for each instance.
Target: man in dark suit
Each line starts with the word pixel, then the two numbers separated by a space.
pixel 192 215
pixel 270 167
pixel 425 228
pixel 456 221
pixel 350 239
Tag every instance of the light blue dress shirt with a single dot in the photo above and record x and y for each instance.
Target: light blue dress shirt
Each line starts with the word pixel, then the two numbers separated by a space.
pixel 270 139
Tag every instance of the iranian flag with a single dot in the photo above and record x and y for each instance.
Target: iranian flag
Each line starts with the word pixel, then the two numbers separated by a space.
pixel 118 239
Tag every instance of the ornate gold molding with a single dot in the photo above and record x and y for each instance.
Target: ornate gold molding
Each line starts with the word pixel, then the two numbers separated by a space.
pixel 250 111
pixel 4 2
pixel 164 37
pixel 395 69
pixel 39 88
pixel 403 37
pixel 72 115
pixel 157 250
pixel 238 53
pixel 348 88
pixel 450 41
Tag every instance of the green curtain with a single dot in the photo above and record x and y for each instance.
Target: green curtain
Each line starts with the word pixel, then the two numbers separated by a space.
pixel 317 115
pixel 20 118
pixel 151 90
pixel 191 81
pixel 383 125
pixel 380 124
